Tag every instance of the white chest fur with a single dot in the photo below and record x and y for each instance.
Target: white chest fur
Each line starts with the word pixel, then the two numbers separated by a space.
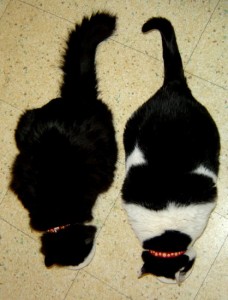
pixel 191 219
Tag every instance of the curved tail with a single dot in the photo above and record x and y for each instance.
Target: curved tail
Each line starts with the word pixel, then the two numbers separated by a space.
pixel 79 59
pixel 173 68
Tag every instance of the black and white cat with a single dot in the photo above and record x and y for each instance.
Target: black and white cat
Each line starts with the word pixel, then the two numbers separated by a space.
pixel 172 160
pixel 67 153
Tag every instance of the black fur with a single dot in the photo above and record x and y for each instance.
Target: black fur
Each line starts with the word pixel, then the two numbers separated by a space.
pixel 176 134
pixel 58 247
pixel 170 241
pixel 180 188
pixel 67 151
pixel 166 267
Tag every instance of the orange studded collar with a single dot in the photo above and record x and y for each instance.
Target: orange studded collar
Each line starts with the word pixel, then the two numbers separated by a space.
pixel 166 254
pixel 57 229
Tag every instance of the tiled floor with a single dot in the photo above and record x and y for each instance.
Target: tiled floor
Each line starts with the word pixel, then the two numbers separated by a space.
pixel 129 65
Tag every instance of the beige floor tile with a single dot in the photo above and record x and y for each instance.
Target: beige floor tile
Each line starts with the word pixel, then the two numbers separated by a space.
pixel 118 259
pixel 215 100
pixel 215 286
pixel 3 5
pixel 125 91
pixel 89 288
pixel 189 26
pixel 71 10
pixel 31 43
pixel 105 201
pixel 209 60
pixel 8 120
pixel 13 212
pixel 23 274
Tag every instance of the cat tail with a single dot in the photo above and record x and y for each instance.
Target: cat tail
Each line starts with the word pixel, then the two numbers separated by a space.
pixel 79 79
pixel 173 67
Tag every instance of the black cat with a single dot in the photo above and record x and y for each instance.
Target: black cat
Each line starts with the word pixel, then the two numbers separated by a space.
pixel 67 152
pixel 172 161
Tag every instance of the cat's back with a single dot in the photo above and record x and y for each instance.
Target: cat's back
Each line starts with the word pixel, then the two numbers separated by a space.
pixel 172 131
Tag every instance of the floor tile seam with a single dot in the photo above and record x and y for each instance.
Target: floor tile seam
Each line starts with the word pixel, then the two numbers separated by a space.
pixel 158 60
pixel 18 229
pixel 3 196
pixel 206 80
pixel 211 266
pixel 223 217
pixel 106 284
pixel 71 286
pixel 9 104
pixel 218 213
pixel 45 11
pixel 205 27
pixel 146 54
pixel 122 163
pixel 53 14
pixel 9 223
pixel 107 216
pixel 118 191
pixel 109 211
pixel 5 10
pixel 133 48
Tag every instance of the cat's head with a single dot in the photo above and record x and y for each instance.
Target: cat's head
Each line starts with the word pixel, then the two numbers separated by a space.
pixel 72 246
pixel 169 257
pixel 168 270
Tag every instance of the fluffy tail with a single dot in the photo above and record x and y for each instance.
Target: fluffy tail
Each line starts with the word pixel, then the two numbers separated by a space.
pixel 79 59
pixel 173 68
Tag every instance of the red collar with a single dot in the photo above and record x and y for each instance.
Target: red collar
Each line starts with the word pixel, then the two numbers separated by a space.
pixel 57 229
pixel 166 254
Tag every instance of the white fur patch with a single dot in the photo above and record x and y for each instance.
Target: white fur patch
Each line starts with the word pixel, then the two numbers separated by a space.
pixel 166 280
pixel 135 158
pixel 191 219
pixel 202 170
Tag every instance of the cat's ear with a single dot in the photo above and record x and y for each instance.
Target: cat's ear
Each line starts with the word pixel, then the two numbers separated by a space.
pixel 143 272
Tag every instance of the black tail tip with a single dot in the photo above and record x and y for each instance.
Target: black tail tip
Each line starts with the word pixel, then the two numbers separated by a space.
pixel 159 23
pixel 104 19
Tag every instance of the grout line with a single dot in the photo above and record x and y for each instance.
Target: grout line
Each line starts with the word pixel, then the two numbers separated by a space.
pixel 197 43
pixel 215 212
pixel 186 72
pixel 105 283
pixel 3 197
pixel 211 267
pixel 71 286
pixel 48 12
pixel 212 83
pixel 114 202
pixel 122 163
pixel 5 9
pixel 103 224
pixel 4 220
pixel 13 106
pixel 132 48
